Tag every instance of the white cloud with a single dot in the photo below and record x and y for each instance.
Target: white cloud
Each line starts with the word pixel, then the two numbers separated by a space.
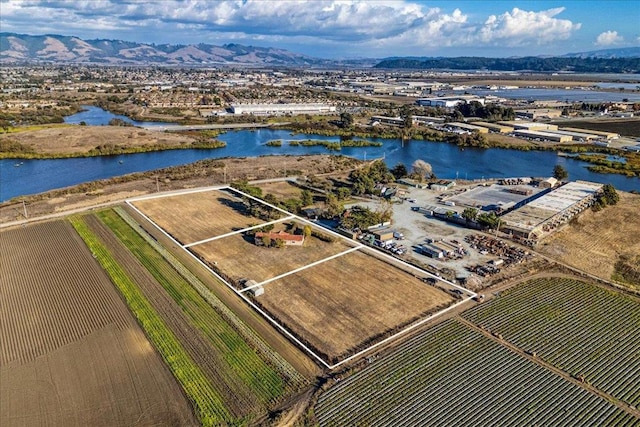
pixel 390 25
pixel 520 27
pixel 609 38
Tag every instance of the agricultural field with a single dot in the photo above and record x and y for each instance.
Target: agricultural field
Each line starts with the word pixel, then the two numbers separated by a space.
pixel 246 375
pixel 349 302
pixel 192 217
pixel 70 352
pixel 454 375
pixel 233 254
pixel 603 239
pixel 590 332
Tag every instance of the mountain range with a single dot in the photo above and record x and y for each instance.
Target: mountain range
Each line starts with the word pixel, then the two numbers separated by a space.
pixel 22 48
pixel 58 49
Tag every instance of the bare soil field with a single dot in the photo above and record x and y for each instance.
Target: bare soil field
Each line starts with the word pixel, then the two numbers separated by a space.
pixel 199 174
pixel 625 127
pixel 238 256
pixel 349 302
pixel 71 353
pixel 197 216
pixel 281 189
pixel 81 139
pixel 595 241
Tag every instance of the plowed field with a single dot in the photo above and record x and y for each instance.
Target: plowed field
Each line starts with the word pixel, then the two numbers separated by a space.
pixel 70 353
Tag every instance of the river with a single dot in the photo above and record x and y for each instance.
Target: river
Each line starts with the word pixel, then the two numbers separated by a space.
pixel 448 161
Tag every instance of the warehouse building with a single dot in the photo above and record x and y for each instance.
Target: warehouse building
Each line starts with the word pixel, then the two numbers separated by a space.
pixel 282 109
pixel 546 213
pixel 522 125
pixel 466 127
pixel 542 136
pixel 606 135
pixel 494 127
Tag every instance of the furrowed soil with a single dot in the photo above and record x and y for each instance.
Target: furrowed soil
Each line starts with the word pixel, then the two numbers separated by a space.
pixel 238 399
pixel 71 353
pixel 595 241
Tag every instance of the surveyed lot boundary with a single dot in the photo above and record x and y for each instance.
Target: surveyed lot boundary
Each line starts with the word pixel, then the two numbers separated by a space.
pixel 287 216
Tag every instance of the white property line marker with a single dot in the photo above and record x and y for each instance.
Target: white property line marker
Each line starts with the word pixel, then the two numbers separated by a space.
pixel 239 231
pixel 304 267
pixel 275 323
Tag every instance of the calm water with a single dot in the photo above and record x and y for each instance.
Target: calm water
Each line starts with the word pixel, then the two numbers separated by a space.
pixel 96 116
pixel 448 161
pixel 568 95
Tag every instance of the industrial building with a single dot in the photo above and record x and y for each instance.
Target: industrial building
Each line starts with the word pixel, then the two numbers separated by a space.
pixel 578 136
pixel 539 113
pixel 517 124
pixel 544 214
pixel 282 109
pixel 494 127
pixel 466 127
pixel 606 135
pixel 543 136
pixel 448 101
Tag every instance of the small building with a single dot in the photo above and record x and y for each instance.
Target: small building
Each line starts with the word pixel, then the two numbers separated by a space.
pixel 548 183
pixel 413 183
pixel 255 290
pixel 287 238
pixel 384 235
pixel 442 185
pixel 431 251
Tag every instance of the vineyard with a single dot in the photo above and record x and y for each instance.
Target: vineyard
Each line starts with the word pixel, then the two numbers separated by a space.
pixel 70 351
pixel 248 375
pixel 453 375
pixel 590 332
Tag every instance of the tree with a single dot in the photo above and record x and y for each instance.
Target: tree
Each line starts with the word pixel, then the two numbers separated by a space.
pixel 306 231
pixel 399 171
pixel 610 195
pixel 266 240
pixel 489 220
pixel 346 120
pixel 422 169
pixel 560 173
pixel 470 214
pixel 306 198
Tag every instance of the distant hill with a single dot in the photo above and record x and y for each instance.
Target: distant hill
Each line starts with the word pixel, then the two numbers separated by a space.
pixel 625 52
pixel 530 63
pixel 22 48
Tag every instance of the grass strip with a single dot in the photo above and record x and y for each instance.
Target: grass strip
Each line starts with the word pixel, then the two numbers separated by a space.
pixel 207 402
pixel 242 361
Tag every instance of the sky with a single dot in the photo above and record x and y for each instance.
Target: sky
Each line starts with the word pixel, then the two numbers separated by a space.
pixel 343 28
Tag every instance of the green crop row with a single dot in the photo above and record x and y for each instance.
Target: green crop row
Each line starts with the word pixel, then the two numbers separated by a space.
pixel 206 400
pixel 241 366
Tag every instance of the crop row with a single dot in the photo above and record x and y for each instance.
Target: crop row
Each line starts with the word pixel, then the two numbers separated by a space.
pixel 207 401
pixel 453 375
pixel 590 332
pixel 288 372
pixel 249 381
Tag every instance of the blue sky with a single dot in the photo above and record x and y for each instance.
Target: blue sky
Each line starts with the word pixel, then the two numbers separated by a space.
pixel 343 28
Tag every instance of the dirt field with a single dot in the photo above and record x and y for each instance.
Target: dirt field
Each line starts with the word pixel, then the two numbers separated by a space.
pixel 197 216
pixel 281 189
pixel 342 303
pixel 82 139
pixel 238 256
pixel 70 353
pixel 595 240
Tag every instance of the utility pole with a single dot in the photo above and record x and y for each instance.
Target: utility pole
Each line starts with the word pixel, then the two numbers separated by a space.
pixel 24 206
pixel 224 174
pixel 157 185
